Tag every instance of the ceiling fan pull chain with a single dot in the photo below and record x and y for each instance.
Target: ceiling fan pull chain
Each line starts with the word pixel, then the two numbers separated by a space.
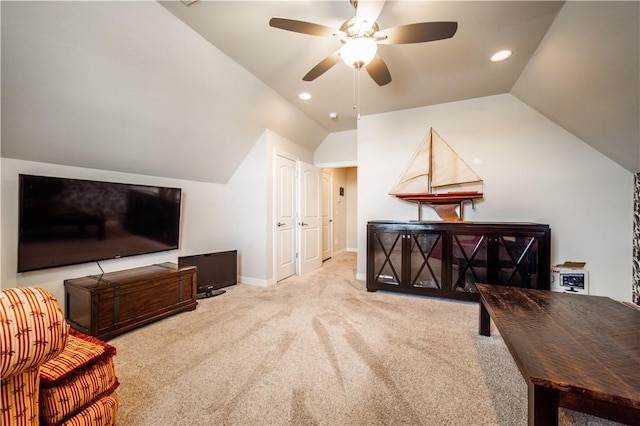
pixel 355 91
pixel 358 94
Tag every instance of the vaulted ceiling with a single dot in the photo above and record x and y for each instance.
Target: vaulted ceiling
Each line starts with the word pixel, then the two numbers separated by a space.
pixel 185 91
pixel 422 73
pixel 575 62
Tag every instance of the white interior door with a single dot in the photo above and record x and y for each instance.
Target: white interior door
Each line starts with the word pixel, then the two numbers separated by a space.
pixel 285 216
pixel 327 214
pixel 309 220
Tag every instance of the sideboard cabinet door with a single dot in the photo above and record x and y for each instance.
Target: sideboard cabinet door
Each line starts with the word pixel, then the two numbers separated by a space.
pixel 469 261
pixel 504 257
pixel 425 266
pixel 405 259
pixel 385 263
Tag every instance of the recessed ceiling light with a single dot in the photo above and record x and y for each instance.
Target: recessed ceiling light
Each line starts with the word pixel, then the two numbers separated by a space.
pixel 501 56
pixel 305 96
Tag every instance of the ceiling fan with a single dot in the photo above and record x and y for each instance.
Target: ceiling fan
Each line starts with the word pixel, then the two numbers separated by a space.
pixel 360 36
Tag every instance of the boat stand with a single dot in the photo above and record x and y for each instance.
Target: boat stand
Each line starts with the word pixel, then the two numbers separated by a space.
pixel 446 211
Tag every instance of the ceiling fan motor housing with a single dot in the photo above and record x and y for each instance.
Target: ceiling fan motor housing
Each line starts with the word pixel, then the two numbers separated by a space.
pixel 353 30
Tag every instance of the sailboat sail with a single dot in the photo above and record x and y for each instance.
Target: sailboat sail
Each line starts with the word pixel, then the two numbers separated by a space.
pixel 416 176
pixel 446 167
pixel 434 165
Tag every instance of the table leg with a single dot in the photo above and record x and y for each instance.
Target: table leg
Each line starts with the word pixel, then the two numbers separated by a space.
pixel 484 327
pixel 543 405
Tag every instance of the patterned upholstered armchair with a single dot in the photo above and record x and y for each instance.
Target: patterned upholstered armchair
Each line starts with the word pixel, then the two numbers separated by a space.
pixel 33 331
pixel 51 374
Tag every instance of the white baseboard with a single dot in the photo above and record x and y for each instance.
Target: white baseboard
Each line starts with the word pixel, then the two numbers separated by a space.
pixel 253 282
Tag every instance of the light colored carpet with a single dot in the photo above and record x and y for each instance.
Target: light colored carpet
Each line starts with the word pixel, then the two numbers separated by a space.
pixel 321 350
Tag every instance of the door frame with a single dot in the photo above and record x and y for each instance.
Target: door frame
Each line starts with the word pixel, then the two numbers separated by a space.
pixel 329 207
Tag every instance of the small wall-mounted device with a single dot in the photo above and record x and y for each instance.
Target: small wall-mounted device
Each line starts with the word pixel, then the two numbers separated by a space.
pixel 570 280
pixel 341 191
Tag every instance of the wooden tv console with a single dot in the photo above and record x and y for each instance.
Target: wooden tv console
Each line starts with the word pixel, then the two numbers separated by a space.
pixel 107 305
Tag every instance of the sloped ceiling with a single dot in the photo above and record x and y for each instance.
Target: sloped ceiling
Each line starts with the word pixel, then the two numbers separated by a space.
pixel 585 76
pixel 576 62
pixel 125 86
pixel 184 91
pixel 422 74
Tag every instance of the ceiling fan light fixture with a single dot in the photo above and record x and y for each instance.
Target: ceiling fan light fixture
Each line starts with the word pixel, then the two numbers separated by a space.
pixel 358 52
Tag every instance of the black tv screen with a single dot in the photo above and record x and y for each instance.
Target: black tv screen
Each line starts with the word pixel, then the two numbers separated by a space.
pixel 70 221
pixel 215 270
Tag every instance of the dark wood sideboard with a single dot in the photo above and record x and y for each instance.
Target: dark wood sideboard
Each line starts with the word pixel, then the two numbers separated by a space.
pixel 107 305
pixel 446 259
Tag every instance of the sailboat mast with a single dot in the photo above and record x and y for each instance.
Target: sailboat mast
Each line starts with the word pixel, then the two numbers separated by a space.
pixel 430 165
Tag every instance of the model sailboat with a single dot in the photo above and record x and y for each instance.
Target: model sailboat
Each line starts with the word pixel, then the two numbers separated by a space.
pixel 435 166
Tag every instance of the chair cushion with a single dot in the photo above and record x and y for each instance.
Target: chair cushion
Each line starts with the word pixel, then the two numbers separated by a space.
pixel 102 412
pixel 71 382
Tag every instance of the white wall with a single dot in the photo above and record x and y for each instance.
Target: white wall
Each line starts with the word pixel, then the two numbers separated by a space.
pixel 533 171
pixel 339 214
pixel 250 198
pixel 246 226
pixel 202 230
pixel 344 209
pixel 338 149
pixel 352 209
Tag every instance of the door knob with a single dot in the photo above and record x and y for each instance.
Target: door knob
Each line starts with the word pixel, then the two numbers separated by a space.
pixel 281 223
pixel 303 224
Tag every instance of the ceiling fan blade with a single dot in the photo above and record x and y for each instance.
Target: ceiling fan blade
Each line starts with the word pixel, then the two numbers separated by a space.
pixel 378 71
pixel 302 27
pixel 417 33
pixel 323 66
pixel 368 11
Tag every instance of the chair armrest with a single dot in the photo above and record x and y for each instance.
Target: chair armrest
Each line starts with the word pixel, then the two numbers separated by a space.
pixel 32 327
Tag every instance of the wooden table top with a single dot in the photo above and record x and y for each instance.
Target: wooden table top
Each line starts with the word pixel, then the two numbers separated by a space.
pixel 573 343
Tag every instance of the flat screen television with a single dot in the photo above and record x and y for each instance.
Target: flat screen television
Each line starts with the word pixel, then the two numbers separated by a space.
pixel 215 270
pixel 70 221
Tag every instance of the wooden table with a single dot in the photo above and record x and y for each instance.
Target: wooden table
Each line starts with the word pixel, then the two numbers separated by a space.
pixel 574 351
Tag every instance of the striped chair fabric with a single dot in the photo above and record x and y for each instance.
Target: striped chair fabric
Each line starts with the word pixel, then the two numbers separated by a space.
pixel 33 331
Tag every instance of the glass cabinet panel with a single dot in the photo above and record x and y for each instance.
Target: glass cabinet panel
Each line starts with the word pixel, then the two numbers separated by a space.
pixel 469 263
pixel 425 260
pixel 518 261
pixel 387 259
